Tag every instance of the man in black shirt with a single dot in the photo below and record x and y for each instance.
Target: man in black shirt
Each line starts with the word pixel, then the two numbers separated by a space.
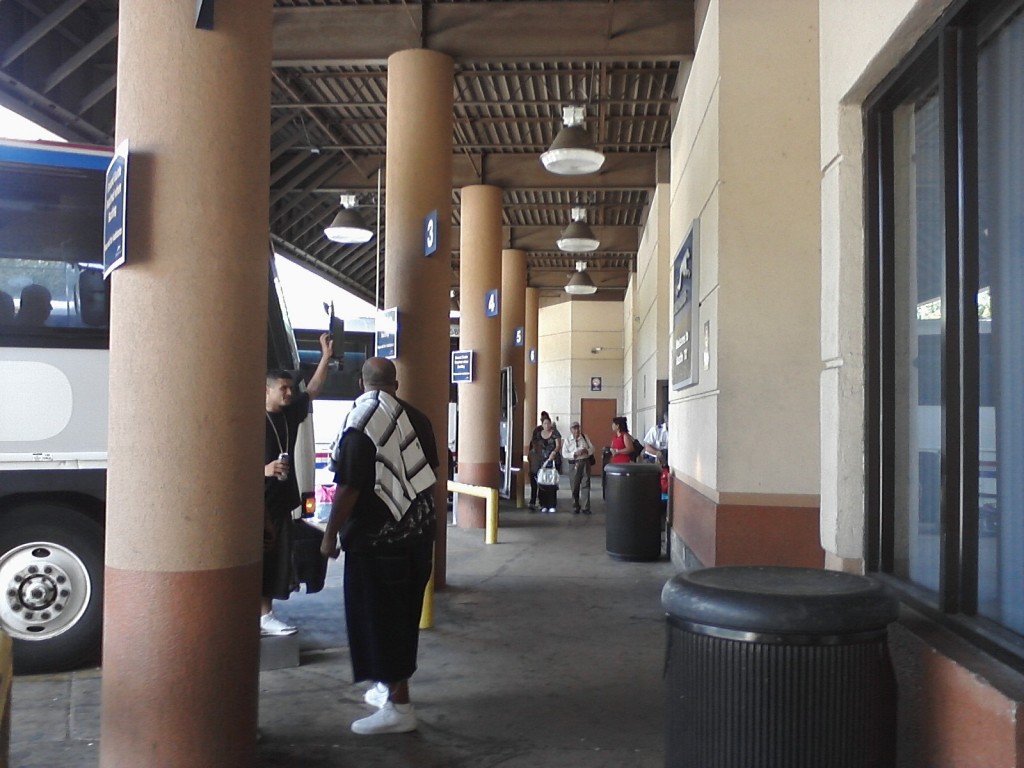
pixel 285 411
pixel 384 512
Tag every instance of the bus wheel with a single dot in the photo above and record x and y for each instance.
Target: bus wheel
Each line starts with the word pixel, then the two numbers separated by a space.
pixel 51 574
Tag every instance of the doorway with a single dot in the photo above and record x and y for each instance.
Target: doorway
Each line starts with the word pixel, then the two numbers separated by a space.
pixel 596 416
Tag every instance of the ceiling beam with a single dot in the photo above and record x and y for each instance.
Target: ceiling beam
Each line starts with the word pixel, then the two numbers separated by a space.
pixel 621 171
pixel 534 30
pixel 42 27
pixel 541 238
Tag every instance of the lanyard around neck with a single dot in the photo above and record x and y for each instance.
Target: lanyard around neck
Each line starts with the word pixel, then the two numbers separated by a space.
pixel 277 435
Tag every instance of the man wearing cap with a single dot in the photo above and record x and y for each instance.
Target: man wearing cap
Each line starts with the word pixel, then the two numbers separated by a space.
pixel 577 450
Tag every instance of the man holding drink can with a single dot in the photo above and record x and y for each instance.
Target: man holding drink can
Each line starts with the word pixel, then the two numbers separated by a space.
pixel 286 409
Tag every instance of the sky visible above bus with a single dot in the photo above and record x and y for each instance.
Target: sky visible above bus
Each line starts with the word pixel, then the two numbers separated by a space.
pixel 304 292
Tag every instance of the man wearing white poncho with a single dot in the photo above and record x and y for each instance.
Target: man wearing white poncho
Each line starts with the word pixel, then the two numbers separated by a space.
pixel 383 512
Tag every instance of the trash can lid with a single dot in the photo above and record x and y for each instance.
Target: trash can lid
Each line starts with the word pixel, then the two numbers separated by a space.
pixel 630 468
pixel 773 600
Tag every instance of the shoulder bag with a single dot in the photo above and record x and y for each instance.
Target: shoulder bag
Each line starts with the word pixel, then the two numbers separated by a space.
pixel 547 475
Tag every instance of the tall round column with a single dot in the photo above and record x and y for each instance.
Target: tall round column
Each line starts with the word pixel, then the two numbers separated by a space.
pixel 531 412
pixel 480 326
pixel 187 351
pixel 419 183
pixel 513 345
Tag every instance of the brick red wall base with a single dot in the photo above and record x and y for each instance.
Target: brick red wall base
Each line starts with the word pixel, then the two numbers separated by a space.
pixel 746 534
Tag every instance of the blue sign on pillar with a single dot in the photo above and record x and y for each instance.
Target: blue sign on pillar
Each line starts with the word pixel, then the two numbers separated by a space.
pixel 116 192
pixel 430 234
pixel 519 337
pixel 387 333
pixel 533 356
pixel 462 366
pixel 491 308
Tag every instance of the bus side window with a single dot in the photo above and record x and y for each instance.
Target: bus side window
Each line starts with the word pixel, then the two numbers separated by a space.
pixel 92 295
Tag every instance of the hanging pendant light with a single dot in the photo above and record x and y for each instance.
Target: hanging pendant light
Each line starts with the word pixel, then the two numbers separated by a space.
pixel 580 283
pixel 578 237
pixel 348 226
pixel 572 153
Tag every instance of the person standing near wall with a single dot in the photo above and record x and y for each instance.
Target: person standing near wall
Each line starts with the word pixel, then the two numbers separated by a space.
pixel 578 451
pixel 656 442
pixel 622 441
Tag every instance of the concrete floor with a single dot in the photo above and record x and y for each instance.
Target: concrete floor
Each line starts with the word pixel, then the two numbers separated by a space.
pixel 545 652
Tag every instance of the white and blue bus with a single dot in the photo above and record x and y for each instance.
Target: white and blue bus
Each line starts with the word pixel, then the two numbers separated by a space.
pixel 54 350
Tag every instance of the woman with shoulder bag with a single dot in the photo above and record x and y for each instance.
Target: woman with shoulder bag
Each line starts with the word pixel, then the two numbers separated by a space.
pixel 622 442
pixel 549 443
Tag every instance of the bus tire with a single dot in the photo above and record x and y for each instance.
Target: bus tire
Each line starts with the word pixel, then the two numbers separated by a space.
pixel 51 577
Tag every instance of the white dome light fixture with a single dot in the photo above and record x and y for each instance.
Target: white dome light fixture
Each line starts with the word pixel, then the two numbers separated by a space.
pixel 348 227
pixel 578 237
pixel 580 283
pixel 572 153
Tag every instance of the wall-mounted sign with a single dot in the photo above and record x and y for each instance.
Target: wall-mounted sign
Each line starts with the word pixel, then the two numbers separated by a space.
pixel 519 337
pixel 685 309
pixel 115 195
pixel 595 383
pixel 462 366
pixel 387 333
pixel 533 356
pixel 491 307
pixel 430 234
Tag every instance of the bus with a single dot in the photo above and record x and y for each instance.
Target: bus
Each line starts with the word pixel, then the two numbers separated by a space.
pixel 54 354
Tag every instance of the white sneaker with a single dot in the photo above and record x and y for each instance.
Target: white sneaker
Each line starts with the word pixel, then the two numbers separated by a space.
pixel 391 718
pixel 271 626
pixel 377 695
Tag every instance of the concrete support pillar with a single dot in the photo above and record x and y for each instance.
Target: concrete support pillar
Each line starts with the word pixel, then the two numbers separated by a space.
pixel 479 276
pixel 513 324
pixel 187 352
pixel 531 410
pixel 419 182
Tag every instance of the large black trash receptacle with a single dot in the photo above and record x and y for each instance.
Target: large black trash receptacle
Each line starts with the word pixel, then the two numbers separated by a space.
pixel 770 667
pixel 633 511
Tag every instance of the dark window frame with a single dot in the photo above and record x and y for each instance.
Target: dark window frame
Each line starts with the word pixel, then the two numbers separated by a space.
pixel 948 53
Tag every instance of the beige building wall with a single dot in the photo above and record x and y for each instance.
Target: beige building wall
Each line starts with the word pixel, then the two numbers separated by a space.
pixel 649 315
pixel 568 331
pixel 743 163
pixel 744 442
pixel 860 44
pixel 630 324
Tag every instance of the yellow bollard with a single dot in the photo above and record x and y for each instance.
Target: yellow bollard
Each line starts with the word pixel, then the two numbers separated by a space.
pixel 483 492
pixel 427 614
pixel 6 673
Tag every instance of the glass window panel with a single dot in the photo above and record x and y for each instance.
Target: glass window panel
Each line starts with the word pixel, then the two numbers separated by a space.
pixel 918 274
pixel 51 249
pixel 1001 325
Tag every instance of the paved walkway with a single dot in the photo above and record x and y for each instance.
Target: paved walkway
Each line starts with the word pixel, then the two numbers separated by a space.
pixel 545 652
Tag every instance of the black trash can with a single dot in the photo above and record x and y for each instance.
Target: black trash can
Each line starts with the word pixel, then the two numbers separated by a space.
pixel 770 667
pixel 633 509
